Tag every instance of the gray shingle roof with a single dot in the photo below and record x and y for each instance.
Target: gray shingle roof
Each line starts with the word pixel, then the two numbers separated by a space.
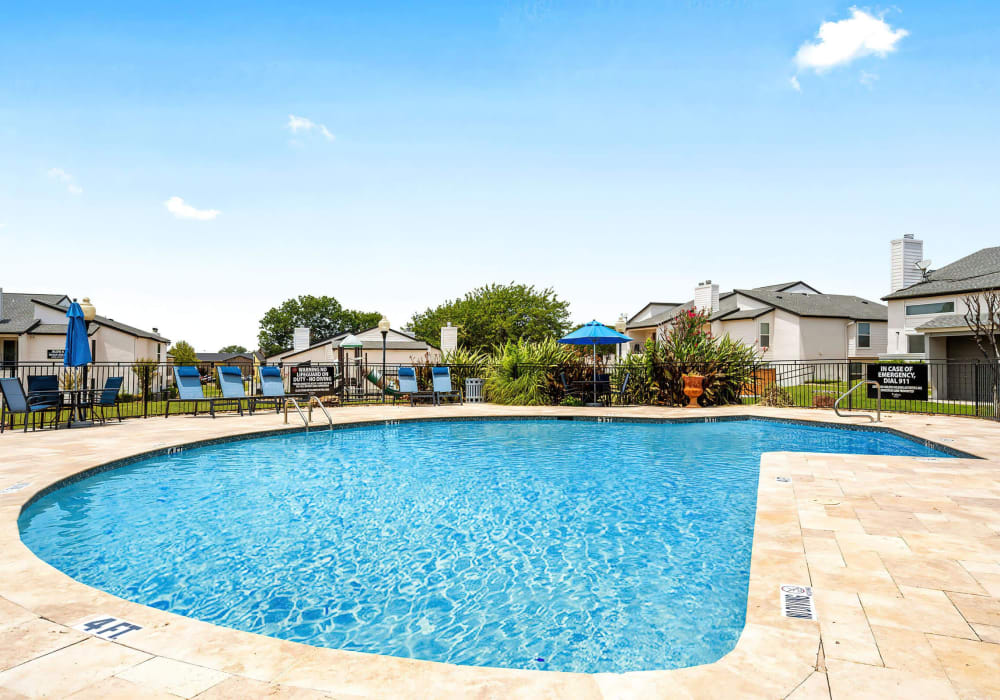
pixel 945 321
pixel 783 286
pixel 17 314
pixel 736 315
pixel 111 323
pixel 973 273
pixel 828 305
pixel 222 356
pixel 661 317
pixel 824 305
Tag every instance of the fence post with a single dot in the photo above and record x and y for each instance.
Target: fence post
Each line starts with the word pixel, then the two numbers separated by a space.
pixel 975 383
pixel 850 397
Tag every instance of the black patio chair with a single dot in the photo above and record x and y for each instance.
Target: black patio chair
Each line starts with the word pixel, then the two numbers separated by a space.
pixel 107 398
pixel 43 390
pixel 15 402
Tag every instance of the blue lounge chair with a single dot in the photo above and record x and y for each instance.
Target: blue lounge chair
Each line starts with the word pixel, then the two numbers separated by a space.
pixel 188 382
pixel 271 383
pixel 272 389
pixel 408 386
pixel 15 402
pixel 231 384
pixel 442 385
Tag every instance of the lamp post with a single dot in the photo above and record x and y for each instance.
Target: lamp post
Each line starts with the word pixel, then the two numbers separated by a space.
pixel 383 326
pixel 620 325
pixel 89 312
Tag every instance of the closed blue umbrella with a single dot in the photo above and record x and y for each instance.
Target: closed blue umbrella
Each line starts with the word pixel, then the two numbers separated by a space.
pixel 77 344
pixel 594 334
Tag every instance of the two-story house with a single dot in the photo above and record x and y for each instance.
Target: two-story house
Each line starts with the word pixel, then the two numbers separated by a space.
pixel 927 307
pixel 791 321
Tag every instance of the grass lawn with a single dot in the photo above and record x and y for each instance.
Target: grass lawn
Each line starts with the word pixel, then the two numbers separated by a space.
pixel 803 396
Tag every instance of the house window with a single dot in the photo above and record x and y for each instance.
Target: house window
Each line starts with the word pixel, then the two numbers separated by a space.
pixel 915 344
pixel 8 352
pixel 938 307
pixel 158 347
pixel 765 335
pixel 864 335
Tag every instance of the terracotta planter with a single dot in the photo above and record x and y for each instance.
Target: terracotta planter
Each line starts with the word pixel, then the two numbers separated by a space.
pixel 693 388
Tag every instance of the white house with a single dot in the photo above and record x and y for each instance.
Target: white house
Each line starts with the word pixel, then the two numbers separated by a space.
pixel 401 348
pixel 791 321
pixel 927 307
pixel 33 329
pixel 927 312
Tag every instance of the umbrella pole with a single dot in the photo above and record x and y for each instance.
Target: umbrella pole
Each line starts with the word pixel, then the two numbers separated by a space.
pixel 594 383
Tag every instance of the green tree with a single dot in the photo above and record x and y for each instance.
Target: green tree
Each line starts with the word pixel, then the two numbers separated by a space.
pixel 145 370
pixel 492 315
pixel 183 353
pixel 324 316
pixel 233 349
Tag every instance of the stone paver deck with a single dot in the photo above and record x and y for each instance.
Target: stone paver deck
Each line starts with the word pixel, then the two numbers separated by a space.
pixel 903 555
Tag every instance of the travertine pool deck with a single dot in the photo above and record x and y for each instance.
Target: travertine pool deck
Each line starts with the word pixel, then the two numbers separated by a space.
pixel 903 555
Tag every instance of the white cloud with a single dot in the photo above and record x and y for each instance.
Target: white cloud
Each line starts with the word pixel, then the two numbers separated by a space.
pixel 847 40
pixel 60 175
pixel 868 79
pixel 297 124
pixel 177 207
pixel 794 82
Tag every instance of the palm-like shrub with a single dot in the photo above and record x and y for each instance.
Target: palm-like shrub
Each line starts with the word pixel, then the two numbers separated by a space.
pixel 528 374
pixel 465 363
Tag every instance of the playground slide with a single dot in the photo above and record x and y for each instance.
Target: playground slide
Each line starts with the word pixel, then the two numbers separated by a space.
pixel 375 378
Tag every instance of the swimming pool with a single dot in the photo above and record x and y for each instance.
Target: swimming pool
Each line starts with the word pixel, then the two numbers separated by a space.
pixel 539 544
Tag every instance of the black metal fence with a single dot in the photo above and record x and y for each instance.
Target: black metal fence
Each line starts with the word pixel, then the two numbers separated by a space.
pixel 953 388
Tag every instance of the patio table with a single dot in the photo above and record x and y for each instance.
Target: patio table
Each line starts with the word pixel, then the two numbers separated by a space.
pixel 588 388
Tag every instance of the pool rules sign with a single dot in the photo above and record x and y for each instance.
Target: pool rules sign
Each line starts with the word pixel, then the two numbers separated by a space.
pixel 899 381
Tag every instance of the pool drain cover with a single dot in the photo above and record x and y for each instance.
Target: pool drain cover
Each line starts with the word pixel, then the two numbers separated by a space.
pixel 797 602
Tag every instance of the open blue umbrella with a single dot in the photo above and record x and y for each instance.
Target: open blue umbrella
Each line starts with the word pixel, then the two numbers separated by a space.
pixel 77 344
pixel 594 334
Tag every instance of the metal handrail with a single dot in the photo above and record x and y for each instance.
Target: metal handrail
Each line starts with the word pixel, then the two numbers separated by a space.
pixel 322 408
pixel 298 410
pixel 878 405
pixel 308 421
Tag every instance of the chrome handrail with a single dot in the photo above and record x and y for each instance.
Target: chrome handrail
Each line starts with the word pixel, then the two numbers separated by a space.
pixel 298 410
pixel 322 408
pixel 878 405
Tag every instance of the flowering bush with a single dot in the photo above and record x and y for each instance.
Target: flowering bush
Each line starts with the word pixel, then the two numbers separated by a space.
pixel 685 345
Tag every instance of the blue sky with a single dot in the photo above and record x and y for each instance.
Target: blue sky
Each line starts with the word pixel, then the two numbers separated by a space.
pixel 616 151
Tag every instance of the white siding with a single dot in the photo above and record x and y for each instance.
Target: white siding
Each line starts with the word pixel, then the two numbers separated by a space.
pixel 879 340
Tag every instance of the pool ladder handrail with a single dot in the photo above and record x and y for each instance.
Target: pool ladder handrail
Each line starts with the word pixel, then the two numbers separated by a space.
pixel 878 404
pixel 312 399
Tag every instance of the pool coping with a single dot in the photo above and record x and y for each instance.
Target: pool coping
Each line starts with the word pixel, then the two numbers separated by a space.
pixel 777 558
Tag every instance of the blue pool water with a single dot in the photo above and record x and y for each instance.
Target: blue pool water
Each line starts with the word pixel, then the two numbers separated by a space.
pixel 561 545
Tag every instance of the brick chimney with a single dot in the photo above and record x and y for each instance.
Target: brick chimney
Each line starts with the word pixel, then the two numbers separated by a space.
pixel 300 339
pixel 905 253
pixel 706 297
pixel 449 338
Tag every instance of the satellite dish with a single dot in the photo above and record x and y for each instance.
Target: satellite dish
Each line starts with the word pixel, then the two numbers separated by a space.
pixel 923 265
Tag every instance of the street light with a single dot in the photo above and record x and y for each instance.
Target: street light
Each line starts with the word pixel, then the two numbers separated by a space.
pixel 383 326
